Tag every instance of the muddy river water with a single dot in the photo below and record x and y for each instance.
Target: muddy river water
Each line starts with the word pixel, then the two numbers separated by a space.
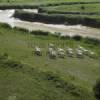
pixel 6 17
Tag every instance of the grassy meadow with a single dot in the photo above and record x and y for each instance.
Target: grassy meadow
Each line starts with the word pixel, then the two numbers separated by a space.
pixel 43 1
pixel 22 82
pixel 25 76
pixel 76 8
pixel 26 84
pixel 90 11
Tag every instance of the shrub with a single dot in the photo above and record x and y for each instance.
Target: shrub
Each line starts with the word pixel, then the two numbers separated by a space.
pixel 65 37
pixel 5 25
pixel 77 37
pixel 97 89
pixel 21 29
pixel 3 56
pixel 93 41
pixel 82 7
pixel 51 76
pixel 17 6
pixel 13 64
pixel 39 32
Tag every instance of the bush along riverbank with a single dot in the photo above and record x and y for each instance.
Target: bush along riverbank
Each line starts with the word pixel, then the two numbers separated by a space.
pixel 88 40
pixel 69 19
pixel 18 6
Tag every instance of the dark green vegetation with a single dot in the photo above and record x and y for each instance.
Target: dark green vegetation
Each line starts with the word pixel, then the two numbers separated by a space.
pixel 57 18
pixel 97 89
pixel 24 75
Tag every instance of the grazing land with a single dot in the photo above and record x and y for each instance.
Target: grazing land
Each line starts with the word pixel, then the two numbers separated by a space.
pixel 84 12
pixel 18 81
pixel 43 1
pixel 19 44
pixel 76 8
pixel 27 76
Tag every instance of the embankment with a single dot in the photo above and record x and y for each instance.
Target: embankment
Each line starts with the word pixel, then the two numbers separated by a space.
pixel 57 18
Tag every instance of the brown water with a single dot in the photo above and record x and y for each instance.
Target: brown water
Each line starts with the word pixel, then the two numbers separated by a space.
pixel 6 17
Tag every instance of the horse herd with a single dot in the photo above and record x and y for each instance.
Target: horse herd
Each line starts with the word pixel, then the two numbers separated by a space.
pixel 53 52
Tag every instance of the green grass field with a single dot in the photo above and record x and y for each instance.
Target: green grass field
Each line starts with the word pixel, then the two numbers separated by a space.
pixel 78 8
pixel 42 78
pixel 77 11
pixel 44 1
pixel 27 83
pixel 19 46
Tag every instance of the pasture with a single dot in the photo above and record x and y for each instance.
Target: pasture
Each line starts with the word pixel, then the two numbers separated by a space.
pixel 76 8
pixel 20 81
pixel 24 75
pixel 81 11
pixel 20 45
pixel 43 1
pixel 27 76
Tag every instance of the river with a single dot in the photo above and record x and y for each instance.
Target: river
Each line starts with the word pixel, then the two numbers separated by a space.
pixel 6 17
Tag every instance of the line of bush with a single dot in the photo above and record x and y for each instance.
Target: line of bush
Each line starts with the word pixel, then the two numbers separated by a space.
pixel 67 3
pixel 71 3
pixel 44 10
pixel 88 40
pixel 17 6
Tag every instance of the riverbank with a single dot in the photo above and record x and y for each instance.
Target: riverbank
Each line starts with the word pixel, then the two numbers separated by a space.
pixel 69 30
pixel 67 13
pixel 92 41
pixel 57 19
